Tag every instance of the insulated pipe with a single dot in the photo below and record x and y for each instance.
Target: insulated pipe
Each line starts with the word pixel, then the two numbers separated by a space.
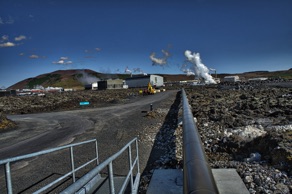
pixel 198 178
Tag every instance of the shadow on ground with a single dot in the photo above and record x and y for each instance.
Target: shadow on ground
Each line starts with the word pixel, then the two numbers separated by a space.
pixel 164 148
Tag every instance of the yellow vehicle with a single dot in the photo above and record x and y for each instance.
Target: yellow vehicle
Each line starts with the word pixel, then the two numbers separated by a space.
pixel 149 90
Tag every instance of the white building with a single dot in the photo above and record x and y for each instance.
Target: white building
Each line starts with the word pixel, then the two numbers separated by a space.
pixel 54 89
pixel 258 79
pixel 233 78
pixel 94 86
pixel 142 81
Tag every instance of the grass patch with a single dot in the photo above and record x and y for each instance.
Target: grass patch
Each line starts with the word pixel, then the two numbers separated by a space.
pixel 45 81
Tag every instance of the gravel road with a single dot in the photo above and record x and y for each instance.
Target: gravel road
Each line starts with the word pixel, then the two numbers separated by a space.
pixel 112 126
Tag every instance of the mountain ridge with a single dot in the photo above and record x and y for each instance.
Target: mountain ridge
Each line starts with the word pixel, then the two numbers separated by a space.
pixel 77 78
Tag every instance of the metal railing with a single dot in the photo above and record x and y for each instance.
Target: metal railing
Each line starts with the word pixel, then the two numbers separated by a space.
pixel 197 174
pixel 7 163
pixel 78 186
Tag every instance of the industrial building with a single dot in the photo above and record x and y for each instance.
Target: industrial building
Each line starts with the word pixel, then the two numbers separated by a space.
pixel 142 81
pixel 110 84
pixel 233 78
pixel 258 79
pixel 7 93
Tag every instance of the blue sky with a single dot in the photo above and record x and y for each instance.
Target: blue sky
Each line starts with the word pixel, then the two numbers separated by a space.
pixel 232 36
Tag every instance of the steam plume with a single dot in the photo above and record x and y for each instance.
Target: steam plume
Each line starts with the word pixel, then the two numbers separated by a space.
pixel 86 78
pixel 139 70
pixel 198 68
pixel 127 70
pixel 159 61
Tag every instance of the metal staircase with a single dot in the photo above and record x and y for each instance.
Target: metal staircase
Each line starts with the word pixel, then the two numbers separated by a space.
pixel 91 182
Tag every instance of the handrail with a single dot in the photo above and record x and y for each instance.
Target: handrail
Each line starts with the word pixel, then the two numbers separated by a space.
pixel 198 178
pixel 72 172
pixel 108 163
pixel 13 159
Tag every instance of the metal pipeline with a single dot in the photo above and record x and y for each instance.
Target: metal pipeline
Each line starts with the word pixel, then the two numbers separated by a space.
pixel 198 178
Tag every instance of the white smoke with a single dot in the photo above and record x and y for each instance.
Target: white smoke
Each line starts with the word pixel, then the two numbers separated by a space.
pixel 198 68
pixel 139 71
pixel 127 70
pixel 184 68
pixel 157 61
pixel 188 72
pixel 160 61
pixel 86 78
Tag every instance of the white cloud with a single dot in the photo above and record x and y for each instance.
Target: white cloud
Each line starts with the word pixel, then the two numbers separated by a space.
pixel 1 21
pixel 60 62
pixel 92 50
pixel 8 20
pixel 19 38
pixel 5 37
pixel 63 61
pixel 7 44
pixel 64 58
pixel 34 56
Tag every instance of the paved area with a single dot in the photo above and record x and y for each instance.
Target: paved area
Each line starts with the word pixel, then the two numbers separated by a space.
pixel 170 181
pixel 112 126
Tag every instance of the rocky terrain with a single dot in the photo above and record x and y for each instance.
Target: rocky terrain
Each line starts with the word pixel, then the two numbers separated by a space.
pixel 243 126
pixel 57 101
pixel 250 130
pixel 5 123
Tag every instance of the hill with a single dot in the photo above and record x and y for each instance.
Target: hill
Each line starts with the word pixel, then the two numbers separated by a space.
pixel 286 74
pixel 77 78
pixel 74 78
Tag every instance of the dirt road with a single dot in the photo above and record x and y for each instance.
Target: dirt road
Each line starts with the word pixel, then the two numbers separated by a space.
pixel 112 126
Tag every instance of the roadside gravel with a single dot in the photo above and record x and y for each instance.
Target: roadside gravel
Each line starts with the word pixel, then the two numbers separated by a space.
pixel 246 127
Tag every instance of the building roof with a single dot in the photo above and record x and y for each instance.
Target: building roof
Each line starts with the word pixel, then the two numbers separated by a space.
pixel 140 77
